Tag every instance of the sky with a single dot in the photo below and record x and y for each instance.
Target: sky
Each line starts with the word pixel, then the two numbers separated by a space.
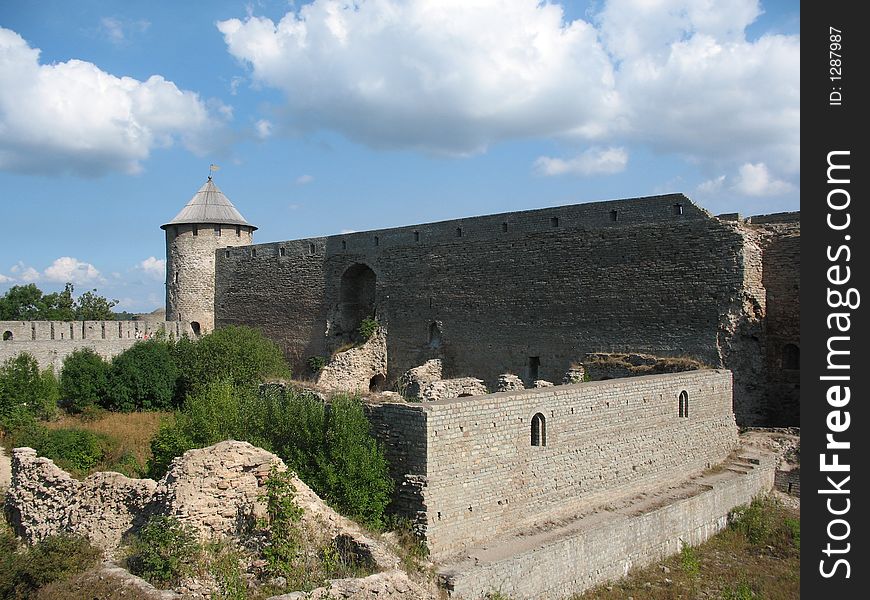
pixel 334 116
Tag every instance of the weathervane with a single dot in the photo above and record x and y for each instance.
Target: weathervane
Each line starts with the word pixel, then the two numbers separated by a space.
pixel 211 169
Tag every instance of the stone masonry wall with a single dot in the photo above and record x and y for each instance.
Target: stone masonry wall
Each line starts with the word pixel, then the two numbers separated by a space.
pixel 611 544
pixel 526 293
pixel 190 261
pixel 604 440
pixel 51 341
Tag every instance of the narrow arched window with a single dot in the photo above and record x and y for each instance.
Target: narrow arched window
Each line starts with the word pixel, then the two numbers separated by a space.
pixel 7 336
pixel 434 334
pixel 791 357
pixel 684 404
pixel 539 430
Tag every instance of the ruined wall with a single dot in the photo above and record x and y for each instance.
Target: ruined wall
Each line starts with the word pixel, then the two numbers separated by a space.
pixel 190 252
pixel 51 341
pixel 607 546
pixel 782 261
pixel 526 293
pixel 604 440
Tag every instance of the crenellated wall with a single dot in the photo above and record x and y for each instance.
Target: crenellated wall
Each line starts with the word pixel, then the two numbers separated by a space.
pixel 51 341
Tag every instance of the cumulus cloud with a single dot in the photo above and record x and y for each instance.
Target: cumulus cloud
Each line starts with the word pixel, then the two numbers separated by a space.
pixel 750 180
pixel 5 278
pixel 594 161
pixel 263 128
pixel 154 267
pixel 756 180
pixel 69 269
pixel 24 273
pixel 303 179
pixel 75 117
pixel 679 76
pixel 450 76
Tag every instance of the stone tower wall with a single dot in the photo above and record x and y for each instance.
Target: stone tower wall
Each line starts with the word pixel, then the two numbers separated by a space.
pixel 190 269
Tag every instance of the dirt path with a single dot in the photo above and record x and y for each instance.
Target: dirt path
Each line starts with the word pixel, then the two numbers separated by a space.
pixel 5 469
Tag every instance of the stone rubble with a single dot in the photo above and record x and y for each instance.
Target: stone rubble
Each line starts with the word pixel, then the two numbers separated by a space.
pixel 355 369
pixel 508 382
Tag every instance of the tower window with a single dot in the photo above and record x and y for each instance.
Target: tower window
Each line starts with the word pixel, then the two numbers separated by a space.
pixel 7 336
pixel 416 236
pixel 282 251
pixel 539 430
pixel 377 241
pixel 196 230
pixel 684 404
pixel 238 231
pixel 459 232
pixel 312 248
pixel 227 253
pixel 554 222
pixel 678 209
pixel 534 368
pixel 253 252
pixel 504 227
pixel 176 277
pixel 217 230
pixel 614 216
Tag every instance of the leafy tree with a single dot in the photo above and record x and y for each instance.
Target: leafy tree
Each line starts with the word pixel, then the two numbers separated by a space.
pixel 143 377
pixel 29 303
pixel 240 355
pixel 92 307
pixel 164 551
pixel 83 380
pixel 25 391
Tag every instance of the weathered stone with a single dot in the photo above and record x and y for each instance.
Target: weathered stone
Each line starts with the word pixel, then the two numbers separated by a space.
pixel 508 382
pixel 540 383
pixel 574 374
pixel 359 369
pixel 412 381
pixel 452 388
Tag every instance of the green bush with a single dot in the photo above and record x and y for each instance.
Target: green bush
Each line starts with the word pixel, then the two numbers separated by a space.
pixel 240 355
pixel 76 450
pixel 164 551
pixel 83 380
pixel 26 393
pixel 143 377
pixel 331 448
pixel 55 558
pixel 367 328
pixel 316 363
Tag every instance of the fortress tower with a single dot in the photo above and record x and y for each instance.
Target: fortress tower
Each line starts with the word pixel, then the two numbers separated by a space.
pixel 208 222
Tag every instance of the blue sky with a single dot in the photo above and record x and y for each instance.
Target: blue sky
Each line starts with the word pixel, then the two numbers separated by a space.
pixel 333 116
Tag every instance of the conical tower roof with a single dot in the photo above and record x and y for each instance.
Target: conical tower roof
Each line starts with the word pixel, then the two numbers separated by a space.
pixel 209 205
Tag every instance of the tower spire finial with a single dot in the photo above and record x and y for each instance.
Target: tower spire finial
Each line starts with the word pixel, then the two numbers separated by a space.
pixel 211 169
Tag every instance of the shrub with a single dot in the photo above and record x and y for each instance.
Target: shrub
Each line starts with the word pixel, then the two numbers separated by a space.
pixel 316 363
pixel 367 328
pixel 25 392
pixel 282 519
pixel 164 551
pixel 169 441
pixel 53 559
pixel 75 450
pixel 83 380
pixel 240 355
pixel 143 377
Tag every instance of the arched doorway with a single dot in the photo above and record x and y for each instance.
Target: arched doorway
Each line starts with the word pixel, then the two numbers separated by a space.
pixel 356 297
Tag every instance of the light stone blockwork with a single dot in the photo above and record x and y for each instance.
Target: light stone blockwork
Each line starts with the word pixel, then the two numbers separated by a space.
pixel 478 476
pixel 50 342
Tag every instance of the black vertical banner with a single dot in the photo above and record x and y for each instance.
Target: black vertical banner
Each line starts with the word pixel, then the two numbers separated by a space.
pixel 835 225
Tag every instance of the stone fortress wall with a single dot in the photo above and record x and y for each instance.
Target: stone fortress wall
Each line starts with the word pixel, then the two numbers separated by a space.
pixel 190 252
pixel 532 292
pixel 477 474
pixel 52 341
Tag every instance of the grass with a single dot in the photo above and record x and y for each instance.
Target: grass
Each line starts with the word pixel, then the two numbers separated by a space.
pixel 757 557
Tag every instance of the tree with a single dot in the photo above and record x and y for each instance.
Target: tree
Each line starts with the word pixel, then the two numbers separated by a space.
pixel 25 392
pixel 92 307
pixel 142 377
pixel 83 380
pixel 29 303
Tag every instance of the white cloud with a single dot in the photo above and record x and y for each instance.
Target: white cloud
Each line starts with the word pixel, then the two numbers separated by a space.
pixel 448 76
pixel 72 116
pixel 750 180
pixel 69 269
pixel 5 278
pixel 595 161
pixel 117 30
pixel 154 267
pixel 263 128
pixel 24 273
pixel 454 76
pixel 755 180
pixel 303 179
